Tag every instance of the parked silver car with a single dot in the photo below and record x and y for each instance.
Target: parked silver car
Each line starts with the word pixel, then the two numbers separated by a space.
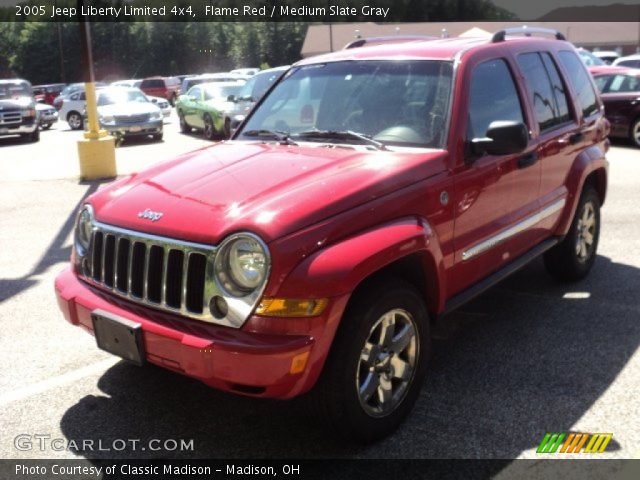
pixel 128 112
pixel 48 115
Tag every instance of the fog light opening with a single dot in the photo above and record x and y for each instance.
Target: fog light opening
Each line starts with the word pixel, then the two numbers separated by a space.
pixel 218 306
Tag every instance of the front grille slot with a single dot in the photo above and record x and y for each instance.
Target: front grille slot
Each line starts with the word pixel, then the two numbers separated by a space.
pixel 195 282
pixel 137 269
pixel 108 260
pixel 154 275
pixel 122 265
pixel 160 272
pixel 173 283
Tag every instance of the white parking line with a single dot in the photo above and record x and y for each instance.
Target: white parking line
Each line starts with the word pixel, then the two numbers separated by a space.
pixel 55 382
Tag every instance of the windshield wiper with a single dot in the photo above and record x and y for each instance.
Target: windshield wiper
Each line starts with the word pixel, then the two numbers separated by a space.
pixel 282 137
pixel 342 135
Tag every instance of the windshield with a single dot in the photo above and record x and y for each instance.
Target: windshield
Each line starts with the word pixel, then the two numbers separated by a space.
pixel 394 102
pixel 221 93
pixel 124 96
pixel 12 90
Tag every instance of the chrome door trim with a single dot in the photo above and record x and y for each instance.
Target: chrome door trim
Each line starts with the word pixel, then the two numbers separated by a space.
pixel 519 227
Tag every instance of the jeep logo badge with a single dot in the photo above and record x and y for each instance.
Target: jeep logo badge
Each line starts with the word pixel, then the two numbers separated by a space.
pixel 150 215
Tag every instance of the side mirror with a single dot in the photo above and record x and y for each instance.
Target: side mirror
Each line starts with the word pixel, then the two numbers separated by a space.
pixel 232 98
pixel 502 138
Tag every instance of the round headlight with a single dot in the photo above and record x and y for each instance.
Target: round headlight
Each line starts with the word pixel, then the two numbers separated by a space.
pixel 83 230
pixel 241 265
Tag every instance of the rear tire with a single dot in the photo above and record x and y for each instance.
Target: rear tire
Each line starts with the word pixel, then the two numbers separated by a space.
pixel 377 363
pixel 572 259
pixel 75 121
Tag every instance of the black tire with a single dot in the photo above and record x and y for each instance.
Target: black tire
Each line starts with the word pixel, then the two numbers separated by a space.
pixel 32 137
pixel 75 121
pixel 157 136
pixel 634 133
pixel 227 127
pixel 566 261
pixel 184 126
pixel 46 126
pixel 209 131
pixel 336 396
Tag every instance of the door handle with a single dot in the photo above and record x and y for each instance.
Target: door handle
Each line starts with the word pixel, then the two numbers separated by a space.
pixel 527 159
pixel 576 138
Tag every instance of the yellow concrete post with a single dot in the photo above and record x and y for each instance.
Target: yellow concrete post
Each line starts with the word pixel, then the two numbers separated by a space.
pixel 97 152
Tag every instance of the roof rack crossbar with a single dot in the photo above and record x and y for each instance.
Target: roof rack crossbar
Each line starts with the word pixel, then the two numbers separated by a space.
pixel 500 35
pixel 361 42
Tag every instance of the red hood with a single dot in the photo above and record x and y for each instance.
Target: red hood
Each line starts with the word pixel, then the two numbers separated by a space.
pixel 271 190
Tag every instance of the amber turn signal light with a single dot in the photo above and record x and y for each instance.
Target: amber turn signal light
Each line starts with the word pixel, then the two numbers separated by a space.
pixel 287 307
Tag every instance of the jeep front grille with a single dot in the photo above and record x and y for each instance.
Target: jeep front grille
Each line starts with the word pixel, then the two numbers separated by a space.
pixel 163 273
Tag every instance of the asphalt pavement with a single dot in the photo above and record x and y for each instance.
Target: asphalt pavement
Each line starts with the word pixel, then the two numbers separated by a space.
pixel 529 356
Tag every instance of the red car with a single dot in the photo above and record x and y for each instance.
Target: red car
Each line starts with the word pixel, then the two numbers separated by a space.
pixel 369 193
pixel 48 93
pixel 164 87
pixel 620 91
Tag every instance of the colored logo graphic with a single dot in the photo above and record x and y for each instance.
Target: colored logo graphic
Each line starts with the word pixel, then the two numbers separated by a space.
pixel 574 442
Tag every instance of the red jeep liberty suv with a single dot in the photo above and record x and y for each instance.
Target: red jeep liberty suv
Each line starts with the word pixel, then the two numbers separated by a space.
pixel 370 192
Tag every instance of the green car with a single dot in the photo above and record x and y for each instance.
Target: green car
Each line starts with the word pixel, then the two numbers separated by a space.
pixel 203 107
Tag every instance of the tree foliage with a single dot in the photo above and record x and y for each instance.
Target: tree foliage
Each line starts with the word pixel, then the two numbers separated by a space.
pixel 48 52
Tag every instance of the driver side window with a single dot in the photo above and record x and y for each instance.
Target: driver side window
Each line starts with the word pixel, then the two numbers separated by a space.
pixel 493 96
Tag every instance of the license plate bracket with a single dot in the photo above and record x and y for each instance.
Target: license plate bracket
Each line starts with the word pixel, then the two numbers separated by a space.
pixel 119 336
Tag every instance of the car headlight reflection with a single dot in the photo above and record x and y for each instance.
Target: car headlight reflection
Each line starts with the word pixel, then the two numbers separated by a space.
pixel 242 265
pixel 84 225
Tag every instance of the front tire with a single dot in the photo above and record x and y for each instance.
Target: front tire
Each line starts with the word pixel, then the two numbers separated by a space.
pixel 377 364
pixel 634 133
pixel 209 128
pixel 184 126
pixel 33 136
pixel 572 259
pixel 157 137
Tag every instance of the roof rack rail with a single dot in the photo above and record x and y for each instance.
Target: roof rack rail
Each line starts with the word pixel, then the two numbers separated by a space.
pixel 361 42
pixel 500 35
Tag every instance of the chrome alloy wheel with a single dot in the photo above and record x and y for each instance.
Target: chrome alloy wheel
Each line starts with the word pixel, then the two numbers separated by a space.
pixel 387 363
pixel 586 229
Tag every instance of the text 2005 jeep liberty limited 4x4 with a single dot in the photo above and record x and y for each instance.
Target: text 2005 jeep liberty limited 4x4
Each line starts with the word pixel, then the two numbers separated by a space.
pixel 368 193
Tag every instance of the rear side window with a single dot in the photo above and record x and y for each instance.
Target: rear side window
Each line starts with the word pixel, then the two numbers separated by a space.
pixel 545 88
pixel 153 83
pixel 629 63
pixel 579 79
pixel 493 97
pixel 621 84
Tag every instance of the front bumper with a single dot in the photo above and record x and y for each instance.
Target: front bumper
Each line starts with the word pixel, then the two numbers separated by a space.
pixel 239 361
pixel 17 129
pixel 148 128
pixel 46 119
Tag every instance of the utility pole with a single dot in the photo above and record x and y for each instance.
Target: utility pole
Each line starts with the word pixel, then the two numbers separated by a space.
pixel 97 151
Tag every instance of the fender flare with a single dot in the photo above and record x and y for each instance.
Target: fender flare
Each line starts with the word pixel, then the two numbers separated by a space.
pixel 341 267
pixel 586 162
